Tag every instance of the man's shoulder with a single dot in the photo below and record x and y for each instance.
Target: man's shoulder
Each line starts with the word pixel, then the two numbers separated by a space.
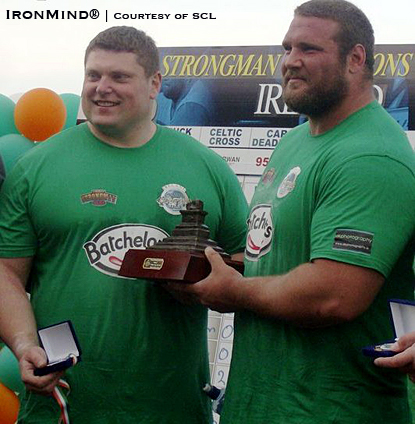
pixel 69 134
pixel 369 132
pixel 54 147
pixel 62 137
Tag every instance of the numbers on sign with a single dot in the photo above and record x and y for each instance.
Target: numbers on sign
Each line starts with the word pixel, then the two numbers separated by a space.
pixel 261 161
pixel 227 331
pixel 221 375
pixel 223 354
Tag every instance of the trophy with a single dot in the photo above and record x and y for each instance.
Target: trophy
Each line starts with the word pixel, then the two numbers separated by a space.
pixel 180 257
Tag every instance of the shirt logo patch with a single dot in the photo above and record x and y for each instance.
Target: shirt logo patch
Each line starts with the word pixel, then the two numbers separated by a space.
pixel 260 232
pixel 288 183
pixel 99 198
pixel 353 241
pixel 106 250
pixel 268 177
pixel 173 199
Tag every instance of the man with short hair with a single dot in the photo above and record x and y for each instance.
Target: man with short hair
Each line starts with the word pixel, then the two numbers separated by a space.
pixel 71 209
pixel 330 240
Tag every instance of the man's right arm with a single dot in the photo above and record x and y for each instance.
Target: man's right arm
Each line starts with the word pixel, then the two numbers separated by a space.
pixel 17 322
pixel 18 325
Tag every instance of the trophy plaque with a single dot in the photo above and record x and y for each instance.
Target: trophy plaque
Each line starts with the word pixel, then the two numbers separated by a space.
pixel 180 257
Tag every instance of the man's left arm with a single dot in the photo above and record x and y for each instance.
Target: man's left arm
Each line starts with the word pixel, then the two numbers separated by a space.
pixel 320 293
pixel 340 281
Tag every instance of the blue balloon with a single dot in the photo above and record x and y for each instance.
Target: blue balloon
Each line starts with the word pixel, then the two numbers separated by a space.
pixel 12 146
pixel 72 102
pixel 9 371
pixel 7 116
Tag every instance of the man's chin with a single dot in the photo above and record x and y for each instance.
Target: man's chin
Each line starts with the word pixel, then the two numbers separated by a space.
pixel 294 103
pixel 104 126
pixel 102 122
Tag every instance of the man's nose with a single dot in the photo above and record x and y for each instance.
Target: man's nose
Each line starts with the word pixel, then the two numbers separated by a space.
pixel 104 86
pixel 292 59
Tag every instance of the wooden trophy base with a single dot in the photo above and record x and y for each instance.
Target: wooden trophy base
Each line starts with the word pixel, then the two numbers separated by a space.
pixel 169 265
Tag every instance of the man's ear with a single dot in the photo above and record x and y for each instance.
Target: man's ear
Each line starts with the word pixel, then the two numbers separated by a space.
pixel 356 59
pixel 155 85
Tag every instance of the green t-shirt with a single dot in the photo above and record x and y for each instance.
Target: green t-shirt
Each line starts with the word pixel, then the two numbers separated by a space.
pixel 347 195
pixel 77 204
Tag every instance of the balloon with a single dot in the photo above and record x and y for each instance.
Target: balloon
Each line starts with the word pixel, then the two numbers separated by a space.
pixel 12 146
pixel 9 371
pixel 72 102
pixel 9 406
pixel 7 116
pixel 39 114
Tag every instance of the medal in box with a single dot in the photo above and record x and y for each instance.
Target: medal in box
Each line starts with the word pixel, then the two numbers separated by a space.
pixel 403 321
pixel 61 346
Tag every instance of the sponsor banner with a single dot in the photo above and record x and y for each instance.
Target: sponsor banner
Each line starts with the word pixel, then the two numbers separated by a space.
pixel 260 232
pixel 106 250
pixel 242 87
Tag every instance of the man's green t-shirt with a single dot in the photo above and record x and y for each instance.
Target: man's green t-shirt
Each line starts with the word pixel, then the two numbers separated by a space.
pixel 347 195
pixel 77 205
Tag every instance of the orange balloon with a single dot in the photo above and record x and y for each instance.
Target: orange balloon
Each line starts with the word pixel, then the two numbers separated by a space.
pixel 39 114
pixel 9 406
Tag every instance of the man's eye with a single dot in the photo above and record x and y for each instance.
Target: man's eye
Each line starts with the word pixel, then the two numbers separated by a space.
pixel 92 76
pixel 120 77
pixel 309 49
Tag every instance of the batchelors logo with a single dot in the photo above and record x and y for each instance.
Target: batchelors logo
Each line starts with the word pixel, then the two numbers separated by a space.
pixel 106 250
pixel 260 231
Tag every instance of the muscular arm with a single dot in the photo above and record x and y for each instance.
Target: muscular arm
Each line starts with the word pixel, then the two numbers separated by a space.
pixel 320 293
pixel 18 325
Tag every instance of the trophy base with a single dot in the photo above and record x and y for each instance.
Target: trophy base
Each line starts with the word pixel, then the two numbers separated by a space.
pixel 168 265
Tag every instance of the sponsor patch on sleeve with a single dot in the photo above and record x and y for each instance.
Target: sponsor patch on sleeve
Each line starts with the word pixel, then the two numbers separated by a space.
pixel 353 241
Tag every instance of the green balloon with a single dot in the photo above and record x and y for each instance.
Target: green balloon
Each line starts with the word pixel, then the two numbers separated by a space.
pixel 7 116
pixel 12 146
pixel 9 371
pixel 72 102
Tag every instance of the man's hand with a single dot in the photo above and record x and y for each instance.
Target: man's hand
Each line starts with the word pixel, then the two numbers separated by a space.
pixel 32 358
pixel 218 291
pixel 405 360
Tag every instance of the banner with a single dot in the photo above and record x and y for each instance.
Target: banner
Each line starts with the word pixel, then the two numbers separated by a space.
pixel 230 98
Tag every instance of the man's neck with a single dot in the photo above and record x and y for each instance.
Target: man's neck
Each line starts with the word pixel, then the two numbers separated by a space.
pixel 136 137
pixel 351 104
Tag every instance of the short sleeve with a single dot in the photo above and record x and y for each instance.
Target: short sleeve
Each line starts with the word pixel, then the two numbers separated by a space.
pixel 17 238
pixel 365 213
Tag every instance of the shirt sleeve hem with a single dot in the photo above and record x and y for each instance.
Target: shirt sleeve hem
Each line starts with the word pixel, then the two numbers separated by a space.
pixel 16 253
pixel 354 260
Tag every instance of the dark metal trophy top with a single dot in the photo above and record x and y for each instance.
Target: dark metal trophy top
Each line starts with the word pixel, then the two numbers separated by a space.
pixel 179 257
pixel 192 235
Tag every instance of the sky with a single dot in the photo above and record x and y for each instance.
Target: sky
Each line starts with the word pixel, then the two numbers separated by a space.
pixel 49 53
